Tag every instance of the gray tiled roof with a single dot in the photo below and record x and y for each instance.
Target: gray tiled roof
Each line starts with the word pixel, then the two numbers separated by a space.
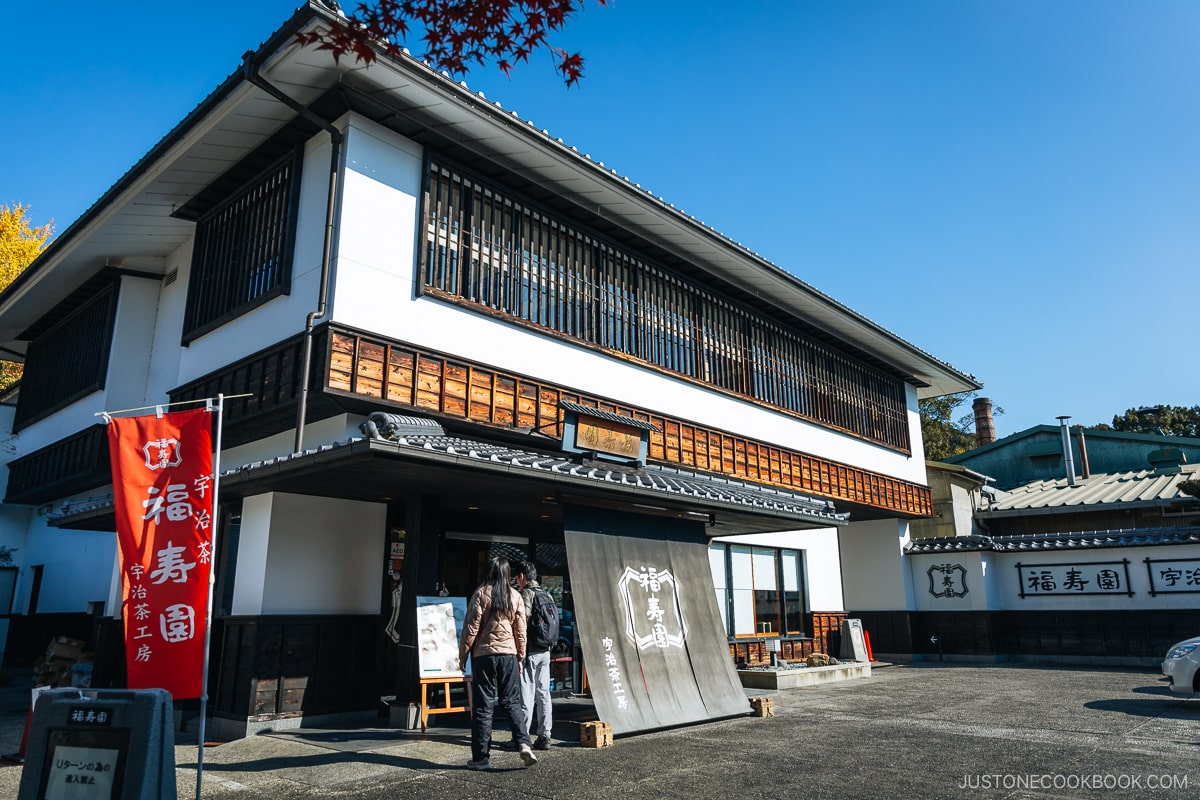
pixel 1149 487
pixel 652 478
pixel 1083 540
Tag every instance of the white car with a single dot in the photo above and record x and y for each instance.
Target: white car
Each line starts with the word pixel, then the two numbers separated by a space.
pixel 1182 667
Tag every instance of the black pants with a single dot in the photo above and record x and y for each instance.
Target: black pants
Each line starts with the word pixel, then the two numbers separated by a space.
pixel 495 679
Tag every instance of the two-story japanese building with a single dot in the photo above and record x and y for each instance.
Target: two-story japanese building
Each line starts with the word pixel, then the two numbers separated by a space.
pixel 449 335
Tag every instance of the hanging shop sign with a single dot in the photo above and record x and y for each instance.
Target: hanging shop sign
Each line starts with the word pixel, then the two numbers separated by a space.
pixel 604 434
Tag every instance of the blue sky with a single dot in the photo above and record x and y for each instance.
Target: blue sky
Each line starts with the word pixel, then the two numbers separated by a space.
pixel 1013 187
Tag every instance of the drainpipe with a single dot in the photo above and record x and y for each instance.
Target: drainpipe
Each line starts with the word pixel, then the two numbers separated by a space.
pixel 251 74
pixel 1068 457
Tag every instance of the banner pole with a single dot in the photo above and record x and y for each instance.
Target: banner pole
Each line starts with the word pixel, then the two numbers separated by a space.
pixel 212 580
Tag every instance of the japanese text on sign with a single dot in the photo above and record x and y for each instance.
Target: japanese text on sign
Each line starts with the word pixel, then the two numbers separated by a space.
pixel 81 772
pixel 162 487
pixel 1173 576
pixel 653 614
pixel 614 673
pixel 1106 577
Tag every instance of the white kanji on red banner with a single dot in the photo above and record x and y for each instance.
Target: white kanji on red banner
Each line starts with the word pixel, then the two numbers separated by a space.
pixel 162 477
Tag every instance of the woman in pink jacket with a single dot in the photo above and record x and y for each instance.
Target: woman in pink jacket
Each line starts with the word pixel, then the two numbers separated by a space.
pixel 494 637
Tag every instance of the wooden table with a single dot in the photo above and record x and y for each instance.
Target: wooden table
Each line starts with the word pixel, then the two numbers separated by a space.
pixel 446 706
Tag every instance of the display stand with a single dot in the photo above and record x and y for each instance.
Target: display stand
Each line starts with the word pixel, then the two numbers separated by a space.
pixel 446 682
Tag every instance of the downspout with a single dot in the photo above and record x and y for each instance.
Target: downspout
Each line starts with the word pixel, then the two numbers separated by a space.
pixel 251 74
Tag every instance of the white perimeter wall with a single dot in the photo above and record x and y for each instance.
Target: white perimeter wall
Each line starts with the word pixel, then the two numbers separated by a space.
pixel 992 580
pixel 309 555
pixel 374 290
pixel 874 575
pixel 821 558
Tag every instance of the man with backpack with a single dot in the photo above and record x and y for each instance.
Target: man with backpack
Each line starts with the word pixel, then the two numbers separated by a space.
pixel 542 635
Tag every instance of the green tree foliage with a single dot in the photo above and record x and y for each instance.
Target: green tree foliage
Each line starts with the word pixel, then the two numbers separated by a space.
pixel 19 246
pixel 454 34
pixel 1162 419
pixel 945 432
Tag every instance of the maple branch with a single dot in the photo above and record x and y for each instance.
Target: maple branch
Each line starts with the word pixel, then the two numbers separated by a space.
pixel 457 34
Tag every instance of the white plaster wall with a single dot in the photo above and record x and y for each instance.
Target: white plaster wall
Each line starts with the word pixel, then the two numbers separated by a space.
pixel 166 348
pixel 77 568
pixel 254 538
pixel 821 557
pixel 309 555
pixel 976 598
pixel 874 575
pixel 374 291
pixel 14 520
pixel 334 429
pixel 129 359
pixel 993 585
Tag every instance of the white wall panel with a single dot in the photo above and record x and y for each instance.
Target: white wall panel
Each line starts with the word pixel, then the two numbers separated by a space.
pixel 77 568
pixel 874 576
pixel 325 556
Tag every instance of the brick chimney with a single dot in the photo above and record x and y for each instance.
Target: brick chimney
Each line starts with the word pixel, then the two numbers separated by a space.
pixel 985 431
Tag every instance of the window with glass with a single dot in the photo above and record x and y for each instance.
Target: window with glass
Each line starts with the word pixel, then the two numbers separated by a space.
pixel 760 590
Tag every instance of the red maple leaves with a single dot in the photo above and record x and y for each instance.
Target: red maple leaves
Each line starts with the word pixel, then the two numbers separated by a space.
pixel 458 34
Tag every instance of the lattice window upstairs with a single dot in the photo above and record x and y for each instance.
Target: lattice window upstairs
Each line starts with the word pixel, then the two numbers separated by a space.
pixel 69 361
pixel 484 246
pixel 243 251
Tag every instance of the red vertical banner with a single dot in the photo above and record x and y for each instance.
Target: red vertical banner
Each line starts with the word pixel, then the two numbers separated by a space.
pixel 162 494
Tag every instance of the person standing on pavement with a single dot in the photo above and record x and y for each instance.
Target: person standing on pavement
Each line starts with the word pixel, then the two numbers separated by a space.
pixel 535 675
pixel 494 638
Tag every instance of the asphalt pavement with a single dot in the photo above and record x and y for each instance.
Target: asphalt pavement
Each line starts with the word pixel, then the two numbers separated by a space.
pixel 926 730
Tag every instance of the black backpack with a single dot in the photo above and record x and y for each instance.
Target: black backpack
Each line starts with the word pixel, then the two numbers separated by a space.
pixel 543 622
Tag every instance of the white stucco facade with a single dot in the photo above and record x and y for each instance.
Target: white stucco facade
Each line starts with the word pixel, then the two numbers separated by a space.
pixel 874 575
pixel 309 555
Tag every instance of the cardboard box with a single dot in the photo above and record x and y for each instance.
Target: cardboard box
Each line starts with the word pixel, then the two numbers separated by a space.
pixel 63 647
pixel 595 734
